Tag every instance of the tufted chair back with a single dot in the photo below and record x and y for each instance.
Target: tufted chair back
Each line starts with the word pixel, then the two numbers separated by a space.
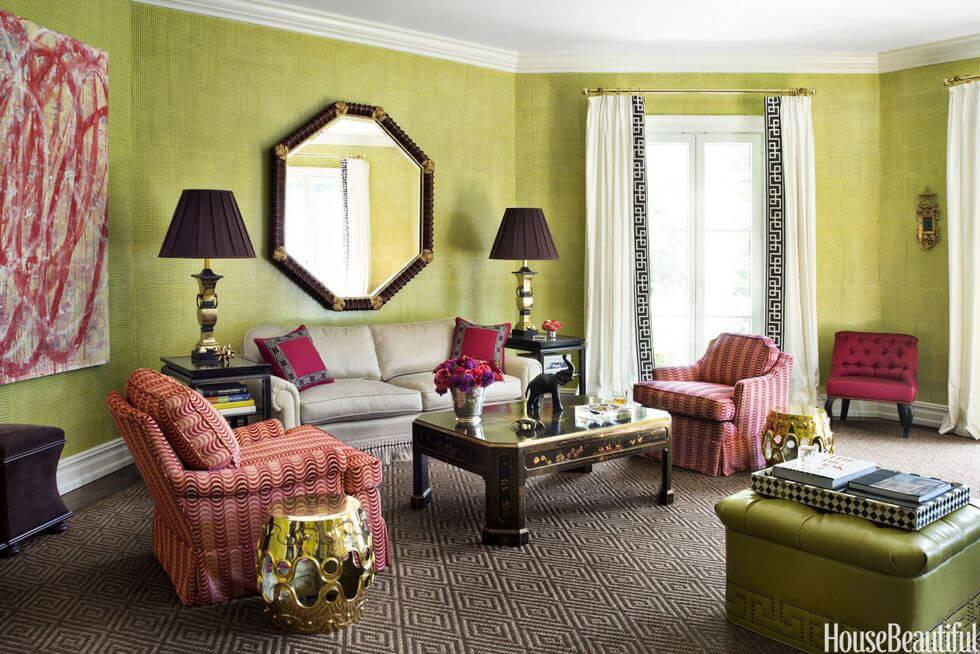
pixel 873 354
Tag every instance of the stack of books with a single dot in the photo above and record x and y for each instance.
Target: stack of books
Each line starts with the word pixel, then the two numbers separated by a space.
pixel 831 471
pixel 231 399
pixel 902 488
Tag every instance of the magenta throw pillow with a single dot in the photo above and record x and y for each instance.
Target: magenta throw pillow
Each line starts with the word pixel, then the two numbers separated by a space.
pixel 294 357
pixel 484 342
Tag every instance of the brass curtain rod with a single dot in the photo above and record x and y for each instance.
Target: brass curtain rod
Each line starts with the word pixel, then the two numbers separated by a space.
pixel 602 91
pixel 959 79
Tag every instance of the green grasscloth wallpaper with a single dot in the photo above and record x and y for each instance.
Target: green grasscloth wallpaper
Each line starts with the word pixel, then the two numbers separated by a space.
pixel 198 101
pixel 914 292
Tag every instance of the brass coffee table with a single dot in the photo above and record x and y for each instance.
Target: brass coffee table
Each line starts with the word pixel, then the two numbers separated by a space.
pixel 505 459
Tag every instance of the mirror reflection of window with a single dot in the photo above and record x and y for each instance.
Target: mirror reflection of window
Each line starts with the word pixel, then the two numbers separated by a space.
pixel 314 218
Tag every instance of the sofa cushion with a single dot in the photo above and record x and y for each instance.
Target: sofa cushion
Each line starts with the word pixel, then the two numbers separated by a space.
pixel 849 539
pixel 199 435
pixel 346 351
pixel 507 390
pixel 688 398
pixel 871 388
pixel 733 357
pixel 294 357
pixel 356 399
pixel 483 342
pixel 412 347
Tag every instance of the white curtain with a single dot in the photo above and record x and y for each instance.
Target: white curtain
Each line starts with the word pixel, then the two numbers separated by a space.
pixel 610 295
pixel 963 239
pixel 358 228
pixel 800 248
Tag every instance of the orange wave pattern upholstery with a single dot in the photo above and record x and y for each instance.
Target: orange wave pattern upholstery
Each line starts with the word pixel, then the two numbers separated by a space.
pixel 719 405
pixel 206 523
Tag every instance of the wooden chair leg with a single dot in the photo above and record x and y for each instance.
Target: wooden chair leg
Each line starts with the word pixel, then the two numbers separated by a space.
pixel 905 414
pixel 845 404
pixel 828 406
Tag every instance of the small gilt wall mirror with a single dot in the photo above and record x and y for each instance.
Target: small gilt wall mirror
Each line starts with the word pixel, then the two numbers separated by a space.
pixel 351 207
pixel 927 213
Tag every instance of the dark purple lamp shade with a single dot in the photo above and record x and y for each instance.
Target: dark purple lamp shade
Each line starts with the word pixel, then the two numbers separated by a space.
pixel 523 234
pixel 207 225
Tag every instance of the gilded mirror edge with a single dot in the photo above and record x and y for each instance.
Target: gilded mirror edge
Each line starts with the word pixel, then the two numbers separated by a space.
pixel 293 269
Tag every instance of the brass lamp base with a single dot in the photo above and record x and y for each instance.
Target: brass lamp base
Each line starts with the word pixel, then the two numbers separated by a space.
pixel 525 302
pixel 207 316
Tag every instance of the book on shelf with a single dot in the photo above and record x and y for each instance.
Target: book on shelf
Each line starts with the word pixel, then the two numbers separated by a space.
pixel 234 405
pixel 225 399
pixel 223 388
pixel 825 470
pixel 890 485
pixel 239 411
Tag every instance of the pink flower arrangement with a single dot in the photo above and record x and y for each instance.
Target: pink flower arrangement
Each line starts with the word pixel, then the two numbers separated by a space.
pixel 465 373
pixel 551 325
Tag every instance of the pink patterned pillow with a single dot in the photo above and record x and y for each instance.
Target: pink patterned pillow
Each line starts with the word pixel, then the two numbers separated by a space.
pixel 294 357
pixel 733 357
pixel 201 437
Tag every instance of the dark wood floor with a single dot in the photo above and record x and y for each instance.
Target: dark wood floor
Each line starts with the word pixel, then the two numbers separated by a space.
pixel 102 488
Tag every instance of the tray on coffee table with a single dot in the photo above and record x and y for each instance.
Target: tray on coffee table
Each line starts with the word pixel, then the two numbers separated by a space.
pixel 879 511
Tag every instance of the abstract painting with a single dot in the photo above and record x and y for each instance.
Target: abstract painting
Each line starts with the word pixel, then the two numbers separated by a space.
pixel 54 221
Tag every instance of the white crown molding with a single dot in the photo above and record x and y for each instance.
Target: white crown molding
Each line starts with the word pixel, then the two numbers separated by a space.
pixel 656 59
pixel 85 467
pixel 345 28
pixel 966 47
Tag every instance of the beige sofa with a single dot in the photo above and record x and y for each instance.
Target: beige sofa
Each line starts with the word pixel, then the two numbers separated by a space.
pixel 383 380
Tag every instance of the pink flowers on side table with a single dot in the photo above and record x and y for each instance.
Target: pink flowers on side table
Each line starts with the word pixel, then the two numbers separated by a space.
pixel 552 327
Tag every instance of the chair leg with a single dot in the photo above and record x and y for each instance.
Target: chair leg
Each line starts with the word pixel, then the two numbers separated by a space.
pixel 829 408
pixel 845 404
pixel 905 414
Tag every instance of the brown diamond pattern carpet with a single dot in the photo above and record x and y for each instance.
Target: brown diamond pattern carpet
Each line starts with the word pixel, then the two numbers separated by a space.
pixel 607 570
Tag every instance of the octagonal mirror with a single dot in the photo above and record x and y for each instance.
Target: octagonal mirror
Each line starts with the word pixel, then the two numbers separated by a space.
pixel 352 207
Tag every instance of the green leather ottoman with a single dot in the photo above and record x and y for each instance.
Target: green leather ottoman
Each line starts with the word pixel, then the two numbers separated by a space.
pixel 792 569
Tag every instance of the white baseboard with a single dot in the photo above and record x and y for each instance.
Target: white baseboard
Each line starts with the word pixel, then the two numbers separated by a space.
pixel 85 467
pixel 926 414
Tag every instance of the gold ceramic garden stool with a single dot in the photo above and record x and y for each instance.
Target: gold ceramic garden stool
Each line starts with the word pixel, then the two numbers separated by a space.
pixel 789 427
pixel 315 562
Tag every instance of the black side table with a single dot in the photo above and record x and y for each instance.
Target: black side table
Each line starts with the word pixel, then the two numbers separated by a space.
pixel 238 370
pixel 560 345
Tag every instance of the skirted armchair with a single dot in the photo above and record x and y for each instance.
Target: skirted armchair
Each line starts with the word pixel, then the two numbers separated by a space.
pixel 719 405
pixel 207 522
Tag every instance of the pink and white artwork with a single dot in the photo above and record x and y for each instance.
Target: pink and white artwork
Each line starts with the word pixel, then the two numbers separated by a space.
pixel 54 121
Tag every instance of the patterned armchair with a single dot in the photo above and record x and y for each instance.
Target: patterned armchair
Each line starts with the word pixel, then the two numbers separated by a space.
pixel 719 405
pixel 206 523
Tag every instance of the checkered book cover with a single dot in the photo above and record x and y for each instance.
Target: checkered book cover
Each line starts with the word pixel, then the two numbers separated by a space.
pixel 892 515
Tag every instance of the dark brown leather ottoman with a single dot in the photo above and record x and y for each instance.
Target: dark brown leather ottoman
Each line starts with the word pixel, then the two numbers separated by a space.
pixel 29 499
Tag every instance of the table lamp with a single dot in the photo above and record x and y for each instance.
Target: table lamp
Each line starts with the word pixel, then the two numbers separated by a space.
pixel 207 224
pixel 524 235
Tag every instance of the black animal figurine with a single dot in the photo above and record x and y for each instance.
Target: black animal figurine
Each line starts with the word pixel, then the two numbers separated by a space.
pixel 544 384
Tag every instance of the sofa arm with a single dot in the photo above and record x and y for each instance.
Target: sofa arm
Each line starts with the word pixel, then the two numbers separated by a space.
pixel 524 368
pixel 259 431
pixel 285 402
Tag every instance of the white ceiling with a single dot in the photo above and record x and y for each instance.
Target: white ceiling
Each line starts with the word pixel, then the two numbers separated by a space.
pixel 810 27
pixel 527 36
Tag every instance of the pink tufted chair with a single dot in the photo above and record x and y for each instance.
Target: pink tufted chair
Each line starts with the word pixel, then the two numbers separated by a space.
pixel 874 366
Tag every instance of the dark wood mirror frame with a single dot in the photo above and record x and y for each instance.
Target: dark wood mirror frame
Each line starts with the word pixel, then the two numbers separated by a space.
pixel 297 272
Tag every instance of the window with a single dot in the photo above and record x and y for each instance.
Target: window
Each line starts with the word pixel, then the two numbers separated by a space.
pixel 705 181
